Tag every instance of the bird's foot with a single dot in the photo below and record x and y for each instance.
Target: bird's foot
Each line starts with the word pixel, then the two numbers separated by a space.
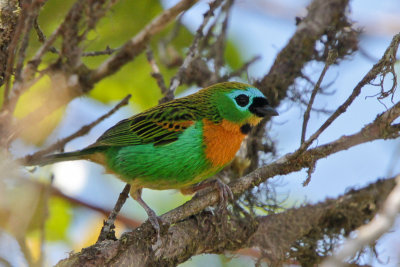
pixel 155 221
pixel 225 193
pixel 152 216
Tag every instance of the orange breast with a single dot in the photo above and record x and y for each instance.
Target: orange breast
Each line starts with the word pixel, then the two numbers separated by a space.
pixel 222 141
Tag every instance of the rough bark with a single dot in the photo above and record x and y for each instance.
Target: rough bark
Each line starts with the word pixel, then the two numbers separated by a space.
pixel 211 233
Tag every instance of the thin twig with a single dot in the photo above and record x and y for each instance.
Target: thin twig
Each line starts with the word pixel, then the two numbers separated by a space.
pixel 131 223
pixel 11 51
pixel 156 74
pixel 191 55
pixel 107 51
pixel 369 233
pixel 131 49
pixel 37 58
pixel 332 55
pixel 378 68
pixel 243 68
pixel 55 192
pixel 310 171
pixel 79 24
pixel 283 73
pixel 137 44
pixel 42 38
pixel 107 231
pixel 220 43
pixel 29 70
pixel 106 212
pixel 82 131
pixel 165 56
pixel 380 128
pixel 32 11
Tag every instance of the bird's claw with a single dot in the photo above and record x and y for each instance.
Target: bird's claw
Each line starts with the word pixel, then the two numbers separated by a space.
pixel 225 193
pixel 155 221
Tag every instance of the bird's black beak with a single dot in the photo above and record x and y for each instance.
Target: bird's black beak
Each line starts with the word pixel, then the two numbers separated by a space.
pixel 265 111
pixel 261 107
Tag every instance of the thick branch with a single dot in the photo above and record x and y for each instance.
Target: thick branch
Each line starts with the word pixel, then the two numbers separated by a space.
pixel 380 128
pixel 369 233
pixel 186 239
pixel 9 18
pixel 207 233
pixel 322 14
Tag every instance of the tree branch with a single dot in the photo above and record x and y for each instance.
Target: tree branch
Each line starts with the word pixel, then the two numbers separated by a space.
pixel 208 233
pixel 191 55
pixel 137 44
pixel 55 192
pixel 369 233
pixel 29 159
pixel 386 62
pixel 380 128
pixel 331 59
pixel 9 19
pixel 186 228
pixel 81 80
pixel 322 14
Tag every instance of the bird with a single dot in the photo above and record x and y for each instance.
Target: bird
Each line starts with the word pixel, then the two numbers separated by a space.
pixel 177 144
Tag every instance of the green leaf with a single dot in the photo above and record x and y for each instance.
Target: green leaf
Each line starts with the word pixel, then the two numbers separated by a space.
pixel 124 22
pixel 31 100
pixel 232 55
pixel 60 217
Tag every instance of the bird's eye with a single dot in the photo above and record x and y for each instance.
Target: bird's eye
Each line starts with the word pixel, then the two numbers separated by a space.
pixel 242 100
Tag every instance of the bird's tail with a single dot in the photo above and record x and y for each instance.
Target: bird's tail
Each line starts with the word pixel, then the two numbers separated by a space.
pixel 50 159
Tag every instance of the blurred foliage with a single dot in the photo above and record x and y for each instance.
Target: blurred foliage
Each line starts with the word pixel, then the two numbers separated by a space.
pixel 31 100
pixel 60 217
pixel 232 55
pixel 123 22
pixel 56 225
pixel 28 215
pixel 127 19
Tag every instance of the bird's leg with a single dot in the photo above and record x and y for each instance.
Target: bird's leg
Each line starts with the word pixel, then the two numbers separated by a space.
pixel 136 194
pixel 225 192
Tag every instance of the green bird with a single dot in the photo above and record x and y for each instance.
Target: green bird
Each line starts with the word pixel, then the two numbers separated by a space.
pixel 177 144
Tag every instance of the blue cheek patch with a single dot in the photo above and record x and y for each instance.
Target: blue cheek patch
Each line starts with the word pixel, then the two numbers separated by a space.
pixel 251 92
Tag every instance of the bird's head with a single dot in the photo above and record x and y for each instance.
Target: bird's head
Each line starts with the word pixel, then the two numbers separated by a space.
pixel 241 103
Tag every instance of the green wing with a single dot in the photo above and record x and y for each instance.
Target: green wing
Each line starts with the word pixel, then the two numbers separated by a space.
pixel 160 125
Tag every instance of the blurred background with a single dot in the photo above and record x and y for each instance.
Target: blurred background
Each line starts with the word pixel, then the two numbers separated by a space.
pixel 256 28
